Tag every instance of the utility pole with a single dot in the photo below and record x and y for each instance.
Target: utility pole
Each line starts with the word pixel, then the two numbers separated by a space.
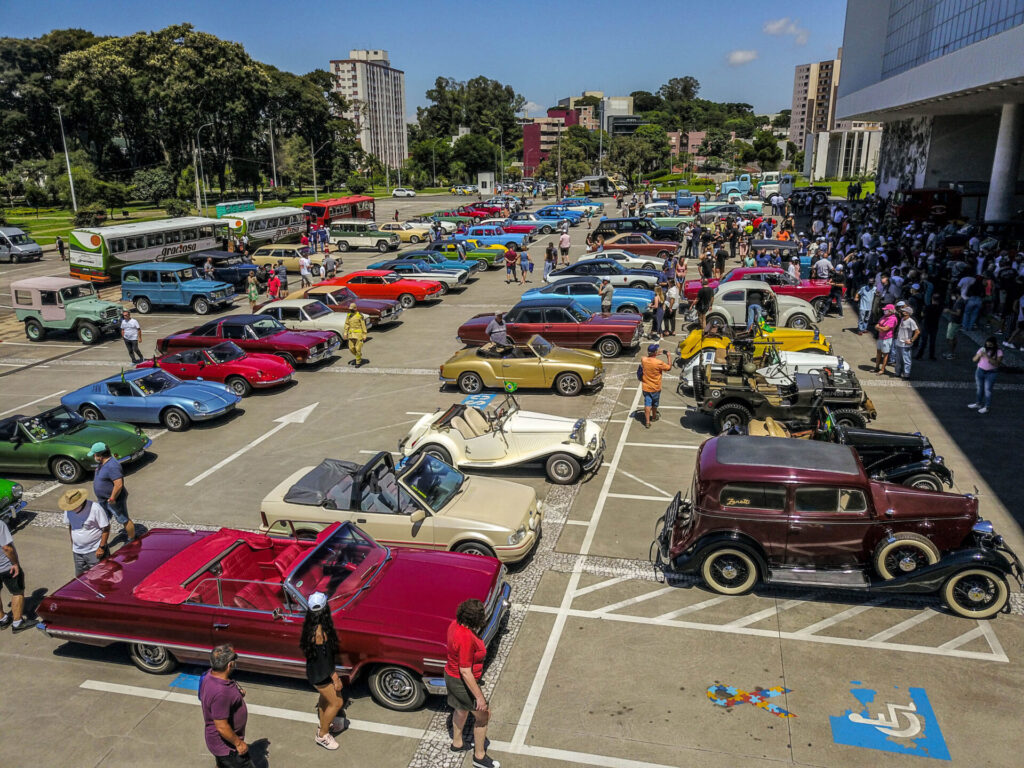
pixel 312 154
pixel 433 164
pixel 67 159
pixel 202 172
pixel 195 167
pixel 559 165
pixel 273 160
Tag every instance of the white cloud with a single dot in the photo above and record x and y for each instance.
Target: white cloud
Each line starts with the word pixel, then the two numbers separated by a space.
pixel 532 107
pixel 739 58
pixel 786 26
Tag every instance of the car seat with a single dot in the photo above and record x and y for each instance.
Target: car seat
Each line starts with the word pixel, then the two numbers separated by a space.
pixel 477 421
pixel 463 428
pixel 259 596
pixel 284 561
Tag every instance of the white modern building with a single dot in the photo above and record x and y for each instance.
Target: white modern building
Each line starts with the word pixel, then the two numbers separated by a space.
pixel 375 92
pixel 841 154
pixel 946 77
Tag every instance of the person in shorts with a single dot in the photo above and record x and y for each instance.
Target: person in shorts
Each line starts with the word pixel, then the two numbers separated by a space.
pixel 88 527
pixel 651 369
pixel 462 678
pixel 886 328
pixel 511 260
pixel 12 578
pixel 108 486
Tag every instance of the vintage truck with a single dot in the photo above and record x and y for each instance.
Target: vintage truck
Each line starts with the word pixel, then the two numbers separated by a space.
pixel 46 304
pixel 740 184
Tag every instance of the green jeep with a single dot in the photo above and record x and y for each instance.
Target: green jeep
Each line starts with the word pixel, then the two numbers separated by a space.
pixel 352 234
pixel 63 304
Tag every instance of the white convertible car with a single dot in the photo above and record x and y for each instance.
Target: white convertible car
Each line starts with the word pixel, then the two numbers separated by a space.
pixel 775 366
pixel 502 435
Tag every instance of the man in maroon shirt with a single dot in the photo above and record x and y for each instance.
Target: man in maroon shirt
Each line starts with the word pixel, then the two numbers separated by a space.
pixel 224 711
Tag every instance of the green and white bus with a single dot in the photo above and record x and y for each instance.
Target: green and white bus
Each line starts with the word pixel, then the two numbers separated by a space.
pixel 267 224
pixel 98 254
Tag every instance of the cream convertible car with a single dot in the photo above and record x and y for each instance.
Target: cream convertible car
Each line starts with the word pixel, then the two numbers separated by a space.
pixel 502 435
pixel 426 504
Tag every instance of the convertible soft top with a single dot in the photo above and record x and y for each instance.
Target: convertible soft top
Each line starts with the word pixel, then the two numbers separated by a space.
pixel 325 482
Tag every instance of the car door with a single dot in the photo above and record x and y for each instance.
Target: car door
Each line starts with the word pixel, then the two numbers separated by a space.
pixel 184 364
pixel 764 509
pixel 119 401
pixel 373 287
pixel 246 618
pixel 828 526
pixel 525 322
pixel 587 294
pixel 481 443
pixel 611 272
pixel 560 327
pixel 734 303
pixel 171 290
pixel 385 512
pixel 18 452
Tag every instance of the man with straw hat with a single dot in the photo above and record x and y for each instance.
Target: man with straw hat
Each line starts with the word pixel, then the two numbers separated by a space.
pixel 88 527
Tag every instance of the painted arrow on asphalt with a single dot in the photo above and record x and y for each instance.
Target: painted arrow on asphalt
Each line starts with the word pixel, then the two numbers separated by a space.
pixel 295 417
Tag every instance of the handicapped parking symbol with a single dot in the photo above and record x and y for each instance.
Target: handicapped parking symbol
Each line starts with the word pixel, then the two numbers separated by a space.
pixel 729 696
pixel 478 401
pixel 909 729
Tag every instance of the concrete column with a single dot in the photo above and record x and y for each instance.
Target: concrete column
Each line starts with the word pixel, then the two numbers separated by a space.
pixel 1006 163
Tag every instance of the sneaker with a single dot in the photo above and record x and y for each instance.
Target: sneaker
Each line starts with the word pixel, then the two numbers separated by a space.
pixel 980 410
pixel 327 742
pixel 972 406
pixel 5 622
pixel 21 626
pixel 485 762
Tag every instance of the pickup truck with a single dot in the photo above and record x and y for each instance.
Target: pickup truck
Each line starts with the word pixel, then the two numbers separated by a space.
pixel 773 182
pixel 740 184
pixel 686 199
pixel 494 235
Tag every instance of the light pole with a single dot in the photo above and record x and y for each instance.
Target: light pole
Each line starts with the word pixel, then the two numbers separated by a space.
pixel 433 164
pixel 312 154
pixel 201 173
pixel 501 145
pixel 273 160
pixel 600 143
pixel 559 164
pixel 67 159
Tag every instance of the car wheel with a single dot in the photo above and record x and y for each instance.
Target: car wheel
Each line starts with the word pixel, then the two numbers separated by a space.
pixel 201 306
pixel 34 330
pixel 90 412
pixel 382 247
pixel 926 481
pixel 444 289
pixel 663 255
pixel 800 322
pixel 563 469
pixel 65 469
pixel 647 265
pixel 239 386
pixel 510 246
pixel 397 688
pixel 845 417
pixel 414 239
pixel 154 659
pixel 717 321
pixel 819 198
pixel 341 245
pixel 287 358
pixel 729 571
pixel 640 285
pixel 142 305
pixel 568 384
pixel 976 593
pixel 407 300
pixel 904 553
pixel 820 305
pixel 628 309
pixel 470 383
pixel 175 419
pixel 87 332
pixel 438 452
pixel 731 415
pixel 546 230
pixel 482 265
pixel 609 347
pixel 475 548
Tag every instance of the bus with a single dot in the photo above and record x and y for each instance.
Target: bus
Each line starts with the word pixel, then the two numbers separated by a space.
pixel 99 253
pixel 323 212
pixel 267 224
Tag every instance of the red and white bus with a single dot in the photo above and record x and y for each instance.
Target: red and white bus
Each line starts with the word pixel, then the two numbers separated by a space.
pixel 323 212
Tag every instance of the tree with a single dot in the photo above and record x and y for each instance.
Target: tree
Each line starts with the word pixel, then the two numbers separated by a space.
pixel 714 144
pixel 153 184
pixel 783 119
pixel 91 215
pixel 475 153
pixel 680 89
pixel 356 184
pixel 485 106
pixel 790 149
pixel 35 196
pixel 768 151
pixel 175 207
pixel 113 195
pixel 645 101
pixel 797 163
pixel 743 152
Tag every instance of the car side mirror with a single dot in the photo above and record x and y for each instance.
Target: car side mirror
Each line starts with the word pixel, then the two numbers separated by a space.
pixel 418 516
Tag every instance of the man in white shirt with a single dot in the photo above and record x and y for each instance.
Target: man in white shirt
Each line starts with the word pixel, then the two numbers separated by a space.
pixel 88 527
pixel 564 241
pixel 131 332
pixel 823 267
pixel 304 273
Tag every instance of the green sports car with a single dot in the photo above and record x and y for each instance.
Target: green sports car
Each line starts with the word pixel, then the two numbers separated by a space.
pixel 10 499
pixel 57 442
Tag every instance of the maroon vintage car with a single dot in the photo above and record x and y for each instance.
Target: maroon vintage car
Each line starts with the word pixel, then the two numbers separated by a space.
pixel 339 298
pixel 172 595
pixel 227 363
pixel 562 321
pixel 798 512
pixel 256 333
pixel 813 290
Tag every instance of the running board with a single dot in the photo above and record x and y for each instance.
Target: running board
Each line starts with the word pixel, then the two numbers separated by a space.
pixel 824 578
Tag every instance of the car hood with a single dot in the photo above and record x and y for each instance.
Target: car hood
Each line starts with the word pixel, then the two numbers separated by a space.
pixel 575 357
pixel 209 285
pixel 300 338
pixel 374 306
pixel 916 503
pixel 806 360
pixel 490 503
pixel 93 305
pixel 539 423
pixel 211 393
pixel 872 438
pixel 121 438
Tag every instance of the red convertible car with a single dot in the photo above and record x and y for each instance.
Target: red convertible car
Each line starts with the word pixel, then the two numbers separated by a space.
pixel 174 594
pixel 388 284
pixel 227 363
pixel 814 291
pixel 562 321
pixel 256 333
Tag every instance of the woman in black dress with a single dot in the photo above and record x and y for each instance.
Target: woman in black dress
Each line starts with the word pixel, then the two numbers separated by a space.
pixel 319 643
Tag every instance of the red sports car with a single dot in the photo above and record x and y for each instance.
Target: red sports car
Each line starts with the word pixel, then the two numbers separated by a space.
pixel 227 363
pixel 487 208
pixel 518 227
pixel 814 291
pixel 174 594
pixel 388 284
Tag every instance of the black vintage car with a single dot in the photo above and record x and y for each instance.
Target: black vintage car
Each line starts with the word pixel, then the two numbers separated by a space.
pixel 228 267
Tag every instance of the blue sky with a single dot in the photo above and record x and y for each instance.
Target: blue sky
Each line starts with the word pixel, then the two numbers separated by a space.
pixel 738 50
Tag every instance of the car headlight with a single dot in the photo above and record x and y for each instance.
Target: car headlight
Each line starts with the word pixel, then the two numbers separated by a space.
pixel 198 406
pixel 928 453
pixel 17 490
pixel 518 536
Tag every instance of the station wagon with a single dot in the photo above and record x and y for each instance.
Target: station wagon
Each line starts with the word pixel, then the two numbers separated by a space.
pixel 173 285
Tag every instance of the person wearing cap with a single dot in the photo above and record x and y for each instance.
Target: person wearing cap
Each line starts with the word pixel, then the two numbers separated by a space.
pixel 88 528
pixel 12 578
pixel 222 702
pixel 885 327
pixel 319 644
pixel 463 670
pixel 837 283
pixel 906 336
pixel 108 485
pixel 794 268
pixel 606 293
pixel 704 300
pixel 355 334
pixel 651 371
pixel 131 333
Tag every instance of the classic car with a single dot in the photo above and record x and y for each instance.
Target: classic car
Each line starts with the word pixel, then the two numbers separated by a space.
pixel 425 504
pixel 535 364
pixel 227 267
pixel 733 397
pixel 306 315
pixel 729 307
pixel 625 258
pixel 170 284
pixel 503 435
pixel 228 364
pixel 408 233
pixel 57 442
pixel 740 201
pixel 454 217
pixel 420 269
pixel 256 333
pixel 487 208
pixel 47 304
pixel 148 396
pixel 269 255
pixel 353 234
pixel 642 245
pixel 403 192
pixel 11 502
pixel 509 225
pixel 561 212
pixel 582 203
pixel 173 594
pixel 720 337
pixel 425 221
pixel 545 224
pixel 786 250
pixel 484 255
pixel 339 299
pixel 388 284
pixel 586 291
pixel 562 321
pixel 814 291
pixel 763 510
pixel 609 228
pixel 494 236
pixel 608 269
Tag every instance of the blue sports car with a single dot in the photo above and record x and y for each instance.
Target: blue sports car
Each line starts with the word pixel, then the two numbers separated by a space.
pixel 152 396
pixel 587 291
pixel 437 259
pixel 561 212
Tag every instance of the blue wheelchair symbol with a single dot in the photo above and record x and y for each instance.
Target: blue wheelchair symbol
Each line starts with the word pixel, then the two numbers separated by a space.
pixel 478 401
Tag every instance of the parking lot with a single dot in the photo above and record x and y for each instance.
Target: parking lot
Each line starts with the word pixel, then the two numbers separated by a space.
pixel 605 662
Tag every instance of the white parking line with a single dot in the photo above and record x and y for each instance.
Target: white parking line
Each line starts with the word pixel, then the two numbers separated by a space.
pixel 576 522
pixel 842 616
pixel 600 585
pixel 692 608
pixel 653 487
pixel 767 613
pixel 965 638
pixel 637 497
pixel 663 445
pixel 33 402
pixel 903 626
pixel 637 599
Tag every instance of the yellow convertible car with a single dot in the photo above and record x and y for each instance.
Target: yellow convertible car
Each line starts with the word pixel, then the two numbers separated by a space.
pixel 408 233
pixel 783 339
pixel 537 364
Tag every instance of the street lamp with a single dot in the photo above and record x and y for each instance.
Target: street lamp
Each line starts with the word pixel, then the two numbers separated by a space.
pixel 67 159
pixel 313 154
pixel 201 173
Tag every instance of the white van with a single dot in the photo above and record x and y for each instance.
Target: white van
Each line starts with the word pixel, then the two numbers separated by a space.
pixel 15 245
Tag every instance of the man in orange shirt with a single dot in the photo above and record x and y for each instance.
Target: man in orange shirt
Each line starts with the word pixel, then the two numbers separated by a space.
pixel 651 371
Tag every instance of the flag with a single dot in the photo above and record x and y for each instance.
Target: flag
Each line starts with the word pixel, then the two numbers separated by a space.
pixel 511 386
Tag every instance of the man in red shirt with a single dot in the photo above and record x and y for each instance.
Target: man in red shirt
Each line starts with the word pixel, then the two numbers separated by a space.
pixel 274 286
pixel 462 673
pixel 651 371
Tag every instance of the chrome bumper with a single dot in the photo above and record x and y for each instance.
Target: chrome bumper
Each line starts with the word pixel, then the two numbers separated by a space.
pixel 595 460
pixel 331 347
pixel 499 616
pixel 12 511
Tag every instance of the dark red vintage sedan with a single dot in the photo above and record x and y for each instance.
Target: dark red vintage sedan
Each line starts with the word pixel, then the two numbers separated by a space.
pixel 797 512
pixel 562 321
pixel 256 333
pixel 227 363
pixel 172 595
pixel 813 290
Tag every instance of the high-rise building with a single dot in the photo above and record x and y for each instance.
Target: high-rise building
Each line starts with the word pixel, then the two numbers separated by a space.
pixel 814 90
pixel 947 81
pixel 540 135
pixel 375 92
pixel 610 106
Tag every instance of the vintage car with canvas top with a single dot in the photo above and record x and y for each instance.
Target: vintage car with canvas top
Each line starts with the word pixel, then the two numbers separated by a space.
pixel 425 504
pixel 699 340
pixel 762 510
pixel 228 364
pixel 535 364
pixel 57 441
pixel 172 595
pixel 502 435
pixel 47 304
pixel 586 291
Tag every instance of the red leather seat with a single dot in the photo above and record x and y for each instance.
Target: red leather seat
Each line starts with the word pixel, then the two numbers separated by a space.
pixel 259 596
pixel 284 561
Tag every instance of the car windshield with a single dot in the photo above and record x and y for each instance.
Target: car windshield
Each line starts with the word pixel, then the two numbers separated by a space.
pixel 21 239
pixel 157 381
pixel 317 309
pixel 56 421
pixel 266 326
pixel 540 346
pixel 342 294
pixel 579 312
pixel 730 275
pixel 226 352
pixel 338 565
pixel 433 481
pixel 504 409
pixel 85 291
